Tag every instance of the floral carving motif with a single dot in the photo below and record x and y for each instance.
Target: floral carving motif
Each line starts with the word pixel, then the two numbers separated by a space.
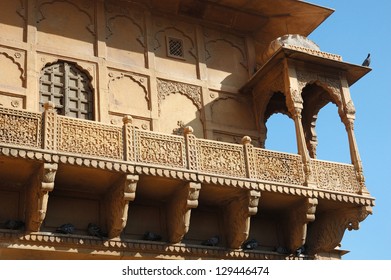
pixel 83 137
pixel 19 127
pixel 160 149
pixel 335 177
pixel 279 167
pixel 227 159
pixel 165 88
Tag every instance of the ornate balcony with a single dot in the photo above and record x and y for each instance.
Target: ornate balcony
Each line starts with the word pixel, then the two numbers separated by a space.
pixel 239 184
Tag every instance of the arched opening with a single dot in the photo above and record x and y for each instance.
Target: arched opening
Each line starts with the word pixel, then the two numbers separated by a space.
pixel 325 134
pixel 333 142
pixel 69 88
pixel 281 135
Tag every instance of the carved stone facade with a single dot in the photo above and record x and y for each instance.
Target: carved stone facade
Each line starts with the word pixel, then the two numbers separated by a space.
pixel 160 140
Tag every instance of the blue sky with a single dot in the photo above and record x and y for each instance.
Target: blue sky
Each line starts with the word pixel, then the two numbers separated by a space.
pixel 352 31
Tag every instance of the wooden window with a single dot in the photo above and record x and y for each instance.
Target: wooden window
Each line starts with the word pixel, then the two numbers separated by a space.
pixel 68 88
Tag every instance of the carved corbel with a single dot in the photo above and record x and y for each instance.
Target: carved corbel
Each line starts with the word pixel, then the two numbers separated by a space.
pixel 327 231
pixel 179 211
pixel 118 204
pixel 237 217
pixel 38 195
pixel 298 219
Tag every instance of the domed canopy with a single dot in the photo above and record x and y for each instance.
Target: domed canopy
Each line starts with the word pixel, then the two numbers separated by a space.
pixel 295 40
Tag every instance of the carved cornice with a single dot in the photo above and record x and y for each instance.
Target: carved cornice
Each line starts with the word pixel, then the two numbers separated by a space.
pixel 129 248
pixel 181 174
pixel 314 52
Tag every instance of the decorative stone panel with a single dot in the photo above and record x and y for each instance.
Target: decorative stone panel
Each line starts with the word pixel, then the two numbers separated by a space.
pixel 278 167
pixel 88 138
pixel 20 127
pixel 335 176
pixel 167 150
pixel 226 159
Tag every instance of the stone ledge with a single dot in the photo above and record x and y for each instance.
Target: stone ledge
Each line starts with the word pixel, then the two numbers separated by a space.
pixel 133 168
pixel 76 243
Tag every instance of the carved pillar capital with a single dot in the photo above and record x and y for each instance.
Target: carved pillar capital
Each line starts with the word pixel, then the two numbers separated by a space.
pixel 117 203
pixel 237 218
pixel 38 195
pixel 179 211
pixel 327 231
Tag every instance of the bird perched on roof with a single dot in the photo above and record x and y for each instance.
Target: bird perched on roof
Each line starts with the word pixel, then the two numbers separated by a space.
pixel 250 244
pixel 150 236
pixel 367 61
pixel 14 224
pixel 66 229
pixel 95 230
pixel 213 241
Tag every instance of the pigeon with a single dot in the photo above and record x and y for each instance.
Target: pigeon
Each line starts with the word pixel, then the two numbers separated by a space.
pixel 95 230
pixel 300 251
pixel 250 244
pixel 66 229
pixel 367 61
pixel 213 241
pixel 281 250
pixel 150 236
pixel 14 224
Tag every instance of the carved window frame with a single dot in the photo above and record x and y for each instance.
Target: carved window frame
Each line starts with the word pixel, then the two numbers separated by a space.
pixel 175 47
pixel 69 88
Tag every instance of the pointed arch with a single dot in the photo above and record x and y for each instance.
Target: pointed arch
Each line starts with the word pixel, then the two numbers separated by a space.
pixel 69 87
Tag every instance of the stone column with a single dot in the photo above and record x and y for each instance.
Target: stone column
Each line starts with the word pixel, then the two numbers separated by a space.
pixel 294 104
pixel 348 117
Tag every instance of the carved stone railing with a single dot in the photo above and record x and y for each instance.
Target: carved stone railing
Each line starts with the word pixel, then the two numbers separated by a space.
pixel 63 135
pixel 335 176
pixel 20 127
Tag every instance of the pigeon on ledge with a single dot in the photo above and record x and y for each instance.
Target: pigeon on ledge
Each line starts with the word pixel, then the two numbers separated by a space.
pixel 300 251
pixel 150 236
pixel 14 224
pixel 95 230
pixel 66 229
pixel 367 61
pixel 250 244
pixel 213 241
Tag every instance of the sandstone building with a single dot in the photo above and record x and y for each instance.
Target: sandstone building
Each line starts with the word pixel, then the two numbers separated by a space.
pixel 150 116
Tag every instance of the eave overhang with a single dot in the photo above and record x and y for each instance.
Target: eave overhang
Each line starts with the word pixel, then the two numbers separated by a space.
pixel 353 72
pixel 268 19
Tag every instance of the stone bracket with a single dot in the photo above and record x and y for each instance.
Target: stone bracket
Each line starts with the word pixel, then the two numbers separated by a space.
pixel 179 211
pixel 327 231
pixel 298 218
pixel 117 202
pixel 237 217
pixel 38 195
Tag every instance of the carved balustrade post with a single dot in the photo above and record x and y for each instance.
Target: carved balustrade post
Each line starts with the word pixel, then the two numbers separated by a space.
pixel 128 138
pixel 38 195
pixel 49 126
pixel 249 157
pixel 191 148
pixel 179 211
pixel 237 217
pixel 117 202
